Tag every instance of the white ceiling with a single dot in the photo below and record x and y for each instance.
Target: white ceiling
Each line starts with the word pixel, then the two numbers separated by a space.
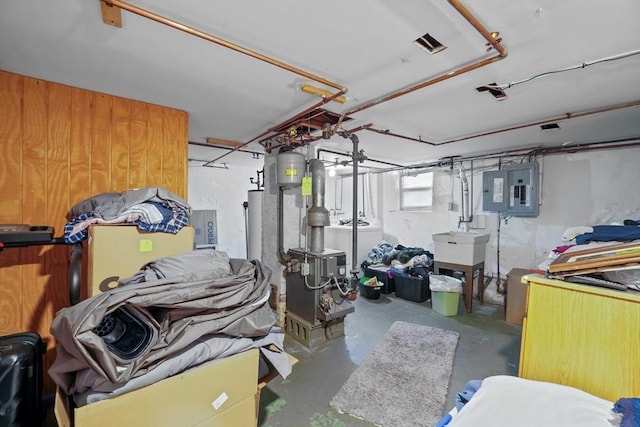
pixel 365 46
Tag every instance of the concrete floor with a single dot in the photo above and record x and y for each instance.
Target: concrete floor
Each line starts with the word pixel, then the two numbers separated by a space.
pixel 488 346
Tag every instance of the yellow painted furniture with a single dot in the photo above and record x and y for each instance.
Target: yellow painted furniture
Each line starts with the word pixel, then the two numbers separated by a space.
pixel 582 336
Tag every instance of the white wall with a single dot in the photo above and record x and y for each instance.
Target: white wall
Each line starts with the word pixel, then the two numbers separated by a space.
pixel 587 188
pixel 339 200
pixel 224 190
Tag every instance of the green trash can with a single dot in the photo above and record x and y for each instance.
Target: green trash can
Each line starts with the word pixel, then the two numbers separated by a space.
pixel 445 294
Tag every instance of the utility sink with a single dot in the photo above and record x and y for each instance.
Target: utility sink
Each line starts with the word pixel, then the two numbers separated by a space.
pixel 460 247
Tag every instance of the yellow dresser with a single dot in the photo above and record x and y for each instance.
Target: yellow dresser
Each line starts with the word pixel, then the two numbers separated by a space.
pixel 582 336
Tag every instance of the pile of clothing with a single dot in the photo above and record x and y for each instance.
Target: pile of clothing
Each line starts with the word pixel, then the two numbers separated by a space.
pixel 152 209
pixel 401 260
pixel 629 231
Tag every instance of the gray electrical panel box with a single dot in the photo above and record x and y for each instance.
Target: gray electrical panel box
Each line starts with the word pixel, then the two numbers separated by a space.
pixel 493 191
pixel 513 190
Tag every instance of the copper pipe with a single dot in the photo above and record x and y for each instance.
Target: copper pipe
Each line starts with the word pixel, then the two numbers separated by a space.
pixel 195 32
pixel 317 138
pixel 226 142
pixel 479 27
pixel 341 89
pixel 502 53
pixel 286 123
pixel 566 116
pixel 217 40
pixel 222 147
pixel 426 83
pixel 307 124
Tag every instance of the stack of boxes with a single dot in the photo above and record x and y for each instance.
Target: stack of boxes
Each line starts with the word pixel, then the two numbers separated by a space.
pixel 220 393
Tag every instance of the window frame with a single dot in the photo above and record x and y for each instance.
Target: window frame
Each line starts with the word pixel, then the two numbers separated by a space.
pixel 415 188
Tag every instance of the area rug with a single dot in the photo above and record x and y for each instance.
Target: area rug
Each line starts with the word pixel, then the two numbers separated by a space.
pixel 404 381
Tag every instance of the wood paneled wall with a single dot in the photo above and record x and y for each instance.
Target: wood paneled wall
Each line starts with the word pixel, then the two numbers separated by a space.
pixel 60 145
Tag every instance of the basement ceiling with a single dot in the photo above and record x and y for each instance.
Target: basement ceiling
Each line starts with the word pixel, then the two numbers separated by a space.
pixel 574 63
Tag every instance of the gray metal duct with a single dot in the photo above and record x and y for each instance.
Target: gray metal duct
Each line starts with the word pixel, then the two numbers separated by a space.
pixel 317 215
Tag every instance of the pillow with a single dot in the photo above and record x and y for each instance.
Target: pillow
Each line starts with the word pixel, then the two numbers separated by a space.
pixel 505 401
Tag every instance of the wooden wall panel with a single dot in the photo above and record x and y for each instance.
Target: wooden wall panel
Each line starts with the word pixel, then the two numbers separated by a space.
pixel 80 145
pixel 10 197
pixel 169 151
pixel 57 205
pixel 101 144
pixel 120 144
pixel 154 142
pixel 138 144
pixel 58 146
pixel 34 200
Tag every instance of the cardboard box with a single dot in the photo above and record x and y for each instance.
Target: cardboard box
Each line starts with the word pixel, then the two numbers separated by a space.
pixel 516 301
pixel 206 226
pixel 116 251
pixel 219 394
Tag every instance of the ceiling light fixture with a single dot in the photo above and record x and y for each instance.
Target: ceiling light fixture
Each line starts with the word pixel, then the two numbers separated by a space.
pixel 321 93
pixel 429 43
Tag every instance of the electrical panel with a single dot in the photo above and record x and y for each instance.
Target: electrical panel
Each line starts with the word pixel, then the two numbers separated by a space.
pixel 493 191
pixel 512 191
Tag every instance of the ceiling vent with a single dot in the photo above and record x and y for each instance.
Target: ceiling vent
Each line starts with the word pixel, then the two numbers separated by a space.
pixel 494 90
pixel 430 44
pixel 549 127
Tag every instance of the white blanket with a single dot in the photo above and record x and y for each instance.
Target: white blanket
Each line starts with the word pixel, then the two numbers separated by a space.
pixel 505 401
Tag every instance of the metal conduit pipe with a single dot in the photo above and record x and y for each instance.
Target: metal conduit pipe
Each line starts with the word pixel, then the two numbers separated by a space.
pixel 283 257
pixel 323 150
pixel 563 117
pixel 317 215
pixel 354 212
pixel 531 151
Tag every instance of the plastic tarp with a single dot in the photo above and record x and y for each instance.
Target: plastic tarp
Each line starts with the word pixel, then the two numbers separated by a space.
pixel 182 298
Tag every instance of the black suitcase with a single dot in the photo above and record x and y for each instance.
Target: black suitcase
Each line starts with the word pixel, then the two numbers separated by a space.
pixel 21 377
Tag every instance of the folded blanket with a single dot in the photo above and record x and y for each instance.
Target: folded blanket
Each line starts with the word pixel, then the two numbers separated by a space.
pixel 609 233
pixel 573 232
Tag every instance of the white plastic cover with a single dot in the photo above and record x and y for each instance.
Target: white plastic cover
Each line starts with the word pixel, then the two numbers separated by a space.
pixel 441 283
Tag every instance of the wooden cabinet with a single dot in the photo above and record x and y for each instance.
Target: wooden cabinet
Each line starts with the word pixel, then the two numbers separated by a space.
pixel 581 336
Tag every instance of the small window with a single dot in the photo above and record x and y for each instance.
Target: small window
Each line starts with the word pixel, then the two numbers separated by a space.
pixel 416 191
